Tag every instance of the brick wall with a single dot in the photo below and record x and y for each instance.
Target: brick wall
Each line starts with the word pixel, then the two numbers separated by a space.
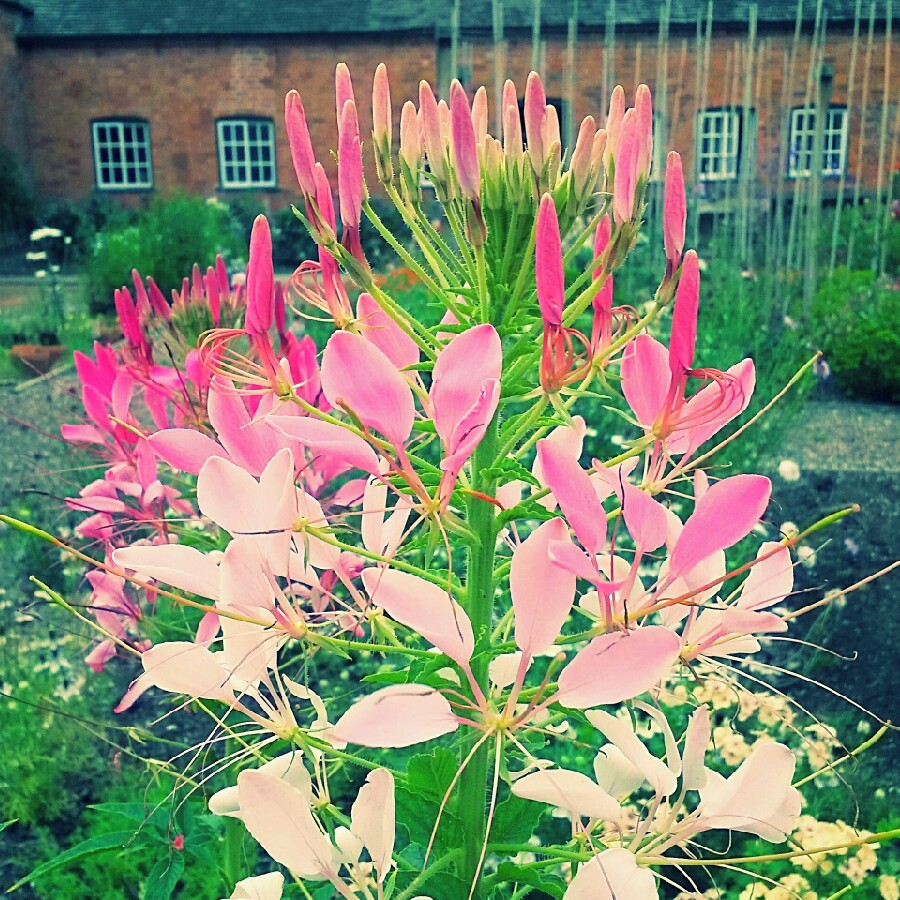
pixel 183 86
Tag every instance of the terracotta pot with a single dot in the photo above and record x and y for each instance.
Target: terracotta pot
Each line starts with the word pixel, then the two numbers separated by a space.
pixel 36 358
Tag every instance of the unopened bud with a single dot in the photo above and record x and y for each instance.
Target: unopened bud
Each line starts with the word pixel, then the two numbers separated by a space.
pixel 465 150
pixel 431 131
pixel 580 167
pixel 643 107
pixel 674 212
pixel 535 112
pixel 614 123
pixel 382 125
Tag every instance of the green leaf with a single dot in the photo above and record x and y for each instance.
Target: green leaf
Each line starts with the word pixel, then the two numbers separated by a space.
pixel 418 800
pixel 515 821
pixel 512 873
pixel 164 877
pixel 9 823
pixel 102 843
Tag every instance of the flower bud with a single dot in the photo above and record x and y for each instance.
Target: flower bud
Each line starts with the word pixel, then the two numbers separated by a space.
pixel 480 115
pixel 626 158
pixel 684 316
pixel 260 279
pixel 512 121
pixel 548 263
pixel 674 212
pixel 343 89
pixel 535 112
pixel 465 151
pixel 614 123
pixel 410 149
pixel 580 167
pixel 643 107
pixel 382 125
pixel 431 132
pixel 301 145
pixel 350 171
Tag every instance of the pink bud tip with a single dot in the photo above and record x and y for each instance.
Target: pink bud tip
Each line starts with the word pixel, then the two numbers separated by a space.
pixel 535 112
pixel 410 136
pixel 300 142
pixel 626 160
pixel 343 89
pixel 674 211
pixel 465 149
pixel 548 263
pixel 260 279
pixel 643 107
pixel 381 106
pixel 431 130
pixel 684 316
pixel 614 121
pixel 350 172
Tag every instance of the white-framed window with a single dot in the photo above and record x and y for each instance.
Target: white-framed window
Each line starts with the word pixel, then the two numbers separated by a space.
pixel 718 144
pixel 246 150
pixel 803 140
pixel 122 158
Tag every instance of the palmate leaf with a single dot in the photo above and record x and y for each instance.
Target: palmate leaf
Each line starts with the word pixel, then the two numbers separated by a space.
pixel 512 873
pixel 418 800
pixel 515 821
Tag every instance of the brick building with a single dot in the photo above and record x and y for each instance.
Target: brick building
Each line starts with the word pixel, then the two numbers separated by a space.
pixel 135 96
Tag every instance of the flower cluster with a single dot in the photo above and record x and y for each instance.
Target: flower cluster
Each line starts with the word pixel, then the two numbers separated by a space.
pixel 418 492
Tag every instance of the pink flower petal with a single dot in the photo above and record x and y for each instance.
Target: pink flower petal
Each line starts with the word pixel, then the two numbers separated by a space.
pixel 612 875
pixel 279 818
pixel 542 595
pixel 372 819
pixel 329 440
pixel 646 378
pixel 770 580
pixel 396 716
pixel 568 790
pixel 618 667
pixel 725 514
pixel 182 567
pixel 185 449
pixel 425 608
pixel 377 326
pixel 356 375
pixel 573 490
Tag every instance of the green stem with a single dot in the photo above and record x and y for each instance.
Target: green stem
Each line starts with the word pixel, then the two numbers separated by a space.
pixel 526 424
pixel 479 602
pixel 437 866
pixel 234 836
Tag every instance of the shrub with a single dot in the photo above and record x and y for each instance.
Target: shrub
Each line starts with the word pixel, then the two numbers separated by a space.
pixel 855 322
pixel 164 242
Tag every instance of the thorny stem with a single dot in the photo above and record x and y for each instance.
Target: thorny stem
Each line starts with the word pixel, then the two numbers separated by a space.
pixel 438 865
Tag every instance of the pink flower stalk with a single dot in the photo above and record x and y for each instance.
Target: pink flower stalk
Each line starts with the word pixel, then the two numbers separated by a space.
pixel 674 213
pixel 300 143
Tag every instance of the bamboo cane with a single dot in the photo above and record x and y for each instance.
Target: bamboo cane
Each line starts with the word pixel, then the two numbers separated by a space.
pixel 880 180
pixel 863 112
pixel 842 183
